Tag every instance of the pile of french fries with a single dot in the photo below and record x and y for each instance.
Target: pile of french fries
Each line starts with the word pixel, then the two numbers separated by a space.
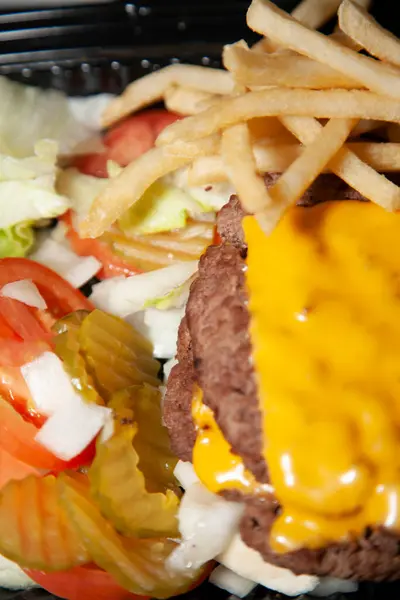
pixel 297 103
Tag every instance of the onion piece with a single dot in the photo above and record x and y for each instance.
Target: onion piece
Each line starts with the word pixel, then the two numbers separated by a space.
pixel 77 270
pixel 25 291
pixel 185 474
pixel 207 524
pixel 249 564
pixel 231 582
pixel 328 586
pixel 72 423
pixel 160 327
pixel 12 576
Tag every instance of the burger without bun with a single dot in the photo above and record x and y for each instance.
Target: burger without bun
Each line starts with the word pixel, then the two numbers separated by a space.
pixel 285 393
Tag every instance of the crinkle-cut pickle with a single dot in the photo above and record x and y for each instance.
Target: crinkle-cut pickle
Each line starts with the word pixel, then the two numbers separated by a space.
pixel 73 321
pixel 139 565
pixel 35 530
pixel 142 405
pixel 116 354
pixel 120 491
pixel 68 349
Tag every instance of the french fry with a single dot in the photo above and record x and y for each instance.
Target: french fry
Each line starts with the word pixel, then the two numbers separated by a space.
pixel 128 187
pixel 345 40
pixel 185 101
pixel 384 158
pixel 305 169
pixel 315 13
pixel 152 87
pixel 239 161
pixel 266 18
pixel 348 166
pixel 371 36
pixel 274 102
pixel 255 69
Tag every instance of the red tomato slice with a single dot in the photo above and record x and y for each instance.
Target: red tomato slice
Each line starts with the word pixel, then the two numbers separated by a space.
pixel 17 437
pixel 127 141
pixel 13 469
pixel 113 265
pixel 21 318
pixel 61 298
pixel 82 583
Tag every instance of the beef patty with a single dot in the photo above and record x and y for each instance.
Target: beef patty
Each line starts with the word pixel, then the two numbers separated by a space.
pixel 214 351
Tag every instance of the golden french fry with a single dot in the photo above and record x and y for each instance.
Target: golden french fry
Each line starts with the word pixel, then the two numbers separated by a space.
pixel 371 36
pixel 273 102
pixel 151 88
pixel 240 164
pixel 348 166
pixel 365 126
pixel 186 149
pixel 345 40
pixel 266 18
pixel 305 169
pixel 283 70
pixel 186 101
pixel 315 13
pixel 128 187
pixel 269 130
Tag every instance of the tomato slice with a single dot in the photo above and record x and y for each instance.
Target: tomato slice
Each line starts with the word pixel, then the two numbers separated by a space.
pixel 17 437
pixel 61 298
pixel 113 265
pixel 82 583
pixel 13 469
pixel 127 141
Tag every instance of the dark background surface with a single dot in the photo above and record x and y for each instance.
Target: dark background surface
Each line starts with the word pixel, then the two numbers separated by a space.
pixel 91 49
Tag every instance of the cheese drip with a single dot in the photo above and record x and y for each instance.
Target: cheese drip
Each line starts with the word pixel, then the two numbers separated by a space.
pixel 324 299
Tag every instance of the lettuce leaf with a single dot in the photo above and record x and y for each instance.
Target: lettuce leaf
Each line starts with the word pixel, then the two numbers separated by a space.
pixel 17 240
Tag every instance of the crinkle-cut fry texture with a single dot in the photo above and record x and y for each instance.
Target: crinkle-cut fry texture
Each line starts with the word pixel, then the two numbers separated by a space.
pixel 120 491
pixel 315 13
pixel 336 103
pixel 240 164
pixel 254 69
pixel 138 565
pixel 349 167
pixel 186 101
pixel 362 27
pixel 305 169
pixel 128 187
pixel 383 157
pixel 116 355
pixel 35 529
pixel 151 88
pixel 266 18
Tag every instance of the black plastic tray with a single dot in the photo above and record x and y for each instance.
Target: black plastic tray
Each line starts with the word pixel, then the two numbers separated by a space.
pixel 89 49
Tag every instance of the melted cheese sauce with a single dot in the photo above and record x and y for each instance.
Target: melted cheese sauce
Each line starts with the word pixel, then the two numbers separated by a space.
pixel 324 293
pixel 214 462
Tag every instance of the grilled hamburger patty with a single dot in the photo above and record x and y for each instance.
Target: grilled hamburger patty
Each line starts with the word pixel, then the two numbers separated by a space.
pixel 214 350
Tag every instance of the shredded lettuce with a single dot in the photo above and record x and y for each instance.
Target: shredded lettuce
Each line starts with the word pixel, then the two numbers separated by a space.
pixel 17 240
pixel 161 208
pixel 29 114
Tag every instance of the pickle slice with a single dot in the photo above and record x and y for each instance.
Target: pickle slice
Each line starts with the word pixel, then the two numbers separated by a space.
pixel 116 354
pixel 68 349
pixel 142 405
pixel 71 321
pixel 138 565
pixel 35 530
pixel 120 491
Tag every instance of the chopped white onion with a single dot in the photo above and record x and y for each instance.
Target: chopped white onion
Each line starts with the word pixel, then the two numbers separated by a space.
pixel 185 474
pixel 207 524
pixel 78 270
pixel 160 327
pixel 71 429
pixel 331 585
pixel 231 582
pixel 25 291
pixel 249 564
pixel 123 296
pixel 12 576
pixel 72 422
